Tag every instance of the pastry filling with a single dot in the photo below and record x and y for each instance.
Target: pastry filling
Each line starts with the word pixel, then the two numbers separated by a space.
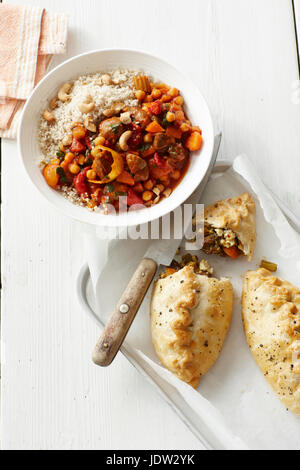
pixel 219 241
pixel 200 267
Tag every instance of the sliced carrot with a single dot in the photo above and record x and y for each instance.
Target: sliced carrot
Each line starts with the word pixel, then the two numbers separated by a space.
pixel 126 178
pixel 64 165
pixel 173 131
pixel 146 105
pixel 148 152
pixel 138 188
pixel 166 98
pixel 194 141
pixel 233 252
pixel 154 127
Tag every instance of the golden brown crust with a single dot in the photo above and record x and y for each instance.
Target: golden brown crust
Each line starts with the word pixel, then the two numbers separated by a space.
pixel 237 214
pixel 271 315
pixel 190 318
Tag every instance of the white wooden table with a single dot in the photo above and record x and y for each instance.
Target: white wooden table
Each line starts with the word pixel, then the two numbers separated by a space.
pixel 242 54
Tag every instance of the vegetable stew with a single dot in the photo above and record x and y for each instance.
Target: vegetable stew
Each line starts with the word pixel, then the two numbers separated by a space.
pixel 133 155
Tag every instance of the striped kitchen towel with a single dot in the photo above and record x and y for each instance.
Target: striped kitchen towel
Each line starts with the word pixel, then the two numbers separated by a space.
pixel 29 36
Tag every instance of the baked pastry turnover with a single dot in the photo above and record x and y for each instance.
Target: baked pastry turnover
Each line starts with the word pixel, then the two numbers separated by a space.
pixel 230 227
pixel 190 318
pixel 271 315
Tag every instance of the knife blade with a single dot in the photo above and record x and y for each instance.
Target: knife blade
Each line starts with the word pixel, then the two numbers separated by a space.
pixel 161 252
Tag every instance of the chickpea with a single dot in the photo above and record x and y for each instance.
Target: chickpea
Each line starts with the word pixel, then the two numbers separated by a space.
pixel 61 147
pixel 179 115
pixel 55 161
pixel 64 165
pixel 167 192
pixel 147 196
pixel 179 100
pixel 91 175
pixel 156 93
pixel 76 124
pixel 74 168
pixel 185 127
pixel 161 85
pixel 176 175
pixel 140 95
pixel 173 92
pixel 80 159
pixel 79 132
pixel 160 187
pixel 170 117
pixel 148 138
pixel 148 99
pixel 148 185
pixel 96 151
pixel 69 157
pixel 99 140
pixel 166 98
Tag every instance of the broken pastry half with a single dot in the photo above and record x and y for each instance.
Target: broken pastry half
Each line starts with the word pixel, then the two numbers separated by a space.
pixel 230 227
pixel 190 318
pixel 271 315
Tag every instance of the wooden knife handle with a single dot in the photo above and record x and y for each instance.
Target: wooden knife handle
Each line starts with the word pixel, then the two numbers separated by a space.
pixel 119 322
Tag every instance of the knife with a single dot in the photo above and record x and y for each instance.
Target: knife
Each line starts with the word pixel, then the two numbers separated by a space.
pixel 160 252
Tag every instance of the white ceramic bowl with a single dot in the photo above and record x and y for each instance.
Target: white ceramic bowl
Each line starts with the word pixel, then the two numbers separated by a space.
pixel 103 60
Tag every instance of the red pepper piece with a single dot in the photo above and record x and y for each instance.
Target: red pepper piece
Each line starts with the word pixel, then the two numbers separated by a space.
pixel 133 198
pixel 159 172
pixel 137 136
pixel 159 161
pixel 92 187
pixel 79 181
pixel 155 108
pixel 77 146
pixel 108 144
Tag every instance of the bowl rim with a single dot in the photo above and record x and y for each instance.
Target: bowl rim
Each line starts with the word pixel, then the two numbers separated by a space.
pixel 126 219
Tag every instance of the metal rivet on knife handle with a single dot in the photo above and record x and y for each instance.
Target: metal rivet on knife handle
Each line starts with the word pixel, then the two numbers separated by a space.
pixel 118 325
pixel 124 308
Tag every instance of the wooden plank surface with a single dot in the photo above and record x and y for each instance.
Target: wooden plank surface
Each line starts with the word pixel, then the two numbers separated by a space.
pixel 243 57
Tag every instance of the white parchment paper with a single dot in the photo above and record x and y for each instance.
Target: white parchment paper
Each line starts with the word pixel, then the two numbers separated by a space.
pixel 233 399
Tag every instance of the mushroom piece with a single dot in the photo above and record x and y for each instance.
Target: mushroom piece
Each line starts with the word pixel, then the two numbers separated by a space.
pixel 161 142
pixel 114 109
pixel 138 166
pixel 102 164
pixel 125 118
pixel 140 116
pixel 167 192
pixel 111 129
